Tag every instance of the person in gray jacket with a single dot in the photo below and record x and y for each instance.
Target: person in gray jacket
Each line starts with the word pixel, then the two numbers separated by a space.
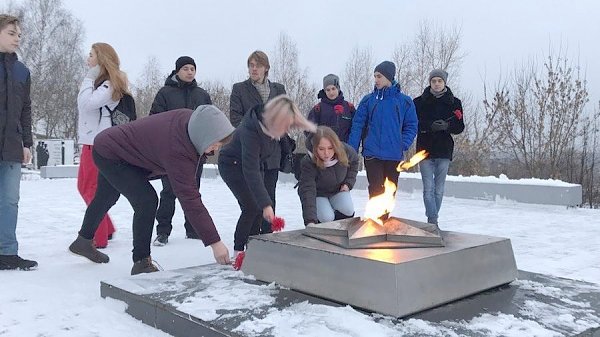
pixel 328 174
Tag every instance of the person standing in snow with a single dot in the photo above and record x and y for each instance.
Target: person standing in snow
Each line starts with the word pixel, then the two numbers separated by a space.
pixel 333 110
pixel 15 140
pixel 101 89
pixel 440 116
pixel 386 125
pixel 130 155
pixel 180 91
pixel 328 174
pixel 258 90
pixel 242 162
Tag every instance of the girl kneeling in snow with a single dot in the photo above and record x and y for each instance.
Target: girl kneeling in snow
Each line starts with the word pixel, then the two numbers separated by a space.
pixel 327 177
pixel 174 143
pixel 241 161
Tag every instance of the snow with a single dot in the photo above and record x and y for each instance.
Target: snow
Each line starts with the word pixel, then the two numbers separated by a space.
pixel 62 298
pixel 502 179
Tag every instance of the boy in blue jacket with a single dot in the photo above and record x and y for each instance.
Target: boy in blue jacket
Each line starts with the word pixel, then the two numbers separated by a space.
pixel 386 124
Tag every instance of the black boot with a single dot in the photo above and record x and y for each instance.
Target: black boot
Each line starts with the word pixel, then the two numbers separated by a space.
pixel 84 247
pixel 144 265
pixel 15 262
pixel 341 216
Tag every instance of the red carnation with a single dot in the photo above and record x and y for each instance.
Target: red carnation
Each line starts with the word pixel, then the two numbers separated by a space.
pixel 239 259
pixel 277 224
pixel 458 114
pixel 339 109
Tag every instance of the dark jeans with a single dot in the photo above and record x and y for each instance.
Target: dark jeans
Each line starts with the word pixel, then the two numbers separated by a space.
pixel 116 178
pixel 377 172
pixel 270 177
pixel 251 218
pixel 166 210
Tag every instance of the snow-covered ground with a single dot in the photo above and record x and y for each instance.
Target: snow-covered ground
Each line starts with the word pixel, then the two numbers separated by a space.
pixel 62 297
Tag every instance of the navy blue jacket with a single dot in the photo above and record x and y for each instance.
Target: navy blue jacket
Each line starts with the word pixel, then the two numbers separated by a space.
pixel 336 114
pixel 15 108
pixel 386 124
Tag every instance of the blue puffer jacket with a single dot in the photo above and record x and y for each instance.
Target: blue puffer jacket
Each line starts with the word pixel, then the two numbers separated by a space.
pixel 386 123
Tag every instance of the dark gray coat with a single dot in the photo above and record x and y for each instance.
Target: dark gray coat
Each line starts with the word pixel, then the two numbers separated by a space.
pixel 316 182
pixel 244 97
pixel 15 108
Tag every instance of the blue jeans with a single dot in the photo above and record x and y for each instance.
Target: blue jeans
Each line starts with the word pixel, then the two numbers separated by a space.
pixel 433 175
pixel 10 182
pixel 341 202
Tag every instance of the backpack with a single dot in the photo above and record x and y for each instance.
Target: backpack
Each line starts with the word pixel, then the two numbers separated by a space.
pixel 124 112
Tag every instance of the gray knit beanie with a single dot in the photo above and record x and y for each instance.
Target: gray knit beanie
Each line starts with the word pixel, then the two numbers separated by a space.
pixel 207 126
pixel 439 73
pixel 331 79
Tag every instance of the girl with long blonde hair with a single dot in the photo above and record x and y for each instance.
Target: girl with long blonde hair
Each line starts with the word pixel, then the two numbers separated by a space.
pixel 241 162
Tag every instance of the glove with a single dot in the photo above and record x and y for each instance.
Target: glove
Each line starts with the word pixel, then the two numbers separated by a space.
pixel 439 125
pixel 93 73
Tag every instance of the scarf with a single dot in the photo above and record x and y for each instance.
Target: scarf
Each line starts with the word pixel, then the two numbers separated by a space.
pixel 439 94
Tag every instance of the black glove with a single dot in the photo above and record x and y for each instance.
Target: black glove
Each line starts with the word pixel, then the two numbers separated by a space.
pixel 439 125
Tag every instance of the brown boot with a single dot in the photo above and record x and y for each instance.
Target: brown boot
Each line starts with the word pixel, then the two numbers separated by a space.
pixel 144 265
pixel 85 248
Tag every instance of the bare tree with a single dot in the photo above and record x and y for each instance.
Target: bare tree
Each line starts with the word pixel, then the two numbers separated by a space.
pixel 148 84
pixel 536 115
pixel 358 74
pixel 433 47
pixel 219 94
pixel 286 70
pixel 52 49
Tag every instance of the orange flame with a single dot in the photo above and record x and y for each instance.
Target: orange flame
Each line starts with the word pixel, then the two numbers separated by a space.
pixel 381 204
pixel 414 160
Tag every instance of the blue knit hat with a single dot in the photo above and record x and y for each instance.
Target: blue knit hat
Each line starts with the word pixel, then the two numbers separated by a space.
pixel 387 69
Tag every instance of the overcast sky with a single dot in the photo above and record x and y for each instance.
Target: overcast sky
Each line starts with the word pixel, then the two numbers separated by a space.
pixel 220 34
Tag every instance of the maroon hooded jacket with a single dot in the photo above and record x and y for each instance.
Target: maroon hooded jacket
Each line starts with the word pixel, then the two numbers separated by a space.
pixel 171 143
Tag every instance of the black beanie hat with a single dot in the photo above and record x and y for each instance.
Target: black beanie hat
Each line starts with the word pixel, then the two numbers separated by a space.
pixel 183 61
pixel 387 69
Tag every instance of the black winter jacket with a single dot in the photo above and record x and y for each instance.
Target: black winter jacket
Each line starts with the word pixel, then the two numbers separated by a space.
pixel 249 149
pixel 177 94
pixel 429 109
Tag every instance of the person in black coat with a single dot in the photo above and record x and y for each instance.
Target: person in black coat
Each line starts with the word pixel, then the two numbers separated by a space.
pixel 242 161
pixel 15 139
pixel 328 175
pixel 258 90
pixel 180 91
pixel 440 116
pixel 333 110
